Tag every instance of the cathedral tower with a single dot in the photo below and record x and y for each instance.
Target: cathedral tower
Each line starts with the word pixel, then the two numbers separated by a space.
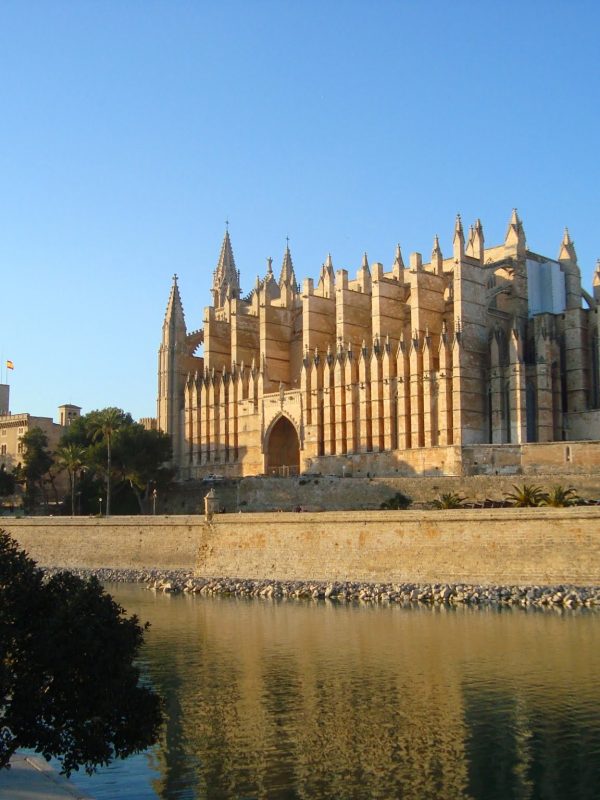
pixel 171 370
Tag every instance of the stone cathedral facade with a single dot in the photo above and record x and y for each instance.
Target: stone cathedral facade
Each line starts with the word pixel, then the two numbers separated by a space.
pixel 418 368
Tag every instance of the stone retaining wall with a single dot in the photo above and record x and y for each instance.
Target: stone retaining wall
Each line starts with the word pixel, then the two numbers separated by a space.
pixel 499 546
pixel 333 492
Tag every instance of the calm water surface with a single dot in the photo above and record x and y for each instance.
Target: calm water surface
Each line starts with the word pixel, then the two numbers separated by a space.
pixel 315 700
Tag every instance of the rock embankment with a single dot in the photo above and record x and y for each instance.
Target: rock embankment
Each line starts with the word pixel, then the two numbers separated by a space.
pixel 403 593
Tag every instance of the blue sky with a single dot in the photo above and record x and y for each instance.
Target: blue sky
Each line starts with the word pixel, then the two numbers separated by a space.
pixel 130 131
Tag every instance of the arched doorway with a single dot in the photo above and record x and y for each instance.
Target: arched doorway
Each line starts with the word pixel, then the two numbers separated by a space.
pixel 283 449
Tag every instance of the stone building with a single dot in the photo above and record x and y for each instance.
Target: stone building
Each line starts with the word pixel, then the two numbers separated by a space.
pixel 14 426
pixel 401 370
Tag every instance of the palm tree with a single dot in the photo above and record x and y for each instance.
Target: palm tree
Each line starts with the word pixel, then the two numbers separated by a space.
pixel 71 457
pixel 103 425
pixel 449 500
pixel 561 496
pixel 526 496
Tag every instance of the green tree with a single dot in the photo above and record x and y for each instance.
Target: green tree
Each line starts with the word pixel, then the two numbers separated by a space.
pixel 138 459
pixel 68 684
pixel 71 457
pixel 561 496
pixel 37 461
pixel 140 455
pixel 526 496
pixel 103 426
pixel 449 500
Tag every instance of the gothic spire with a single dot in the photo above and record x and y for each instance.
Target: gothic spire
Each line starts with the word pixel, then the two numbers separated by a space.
pixel 437 259
pixel 174 314
pixel 226 279
pixel 398 265
pixel 567 248
pixel 458 242
pixel 515 235
pixel 287 270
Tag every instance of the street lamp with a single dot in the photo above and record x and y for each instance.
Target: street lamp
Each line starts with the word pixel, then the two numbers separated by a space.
pixel 154 496
pixel 100 502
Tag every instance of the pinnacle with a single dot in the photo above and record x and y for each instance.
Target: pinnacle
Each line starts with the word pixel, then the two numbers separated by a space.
pixel 567 248
pixel 365 261
pixel 328 262
pixel 226 259
pixel 287 268
pixel 174 314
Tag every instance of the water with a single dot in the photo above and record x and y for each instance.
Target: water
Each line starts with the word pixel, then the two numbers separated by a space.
pixel 305 700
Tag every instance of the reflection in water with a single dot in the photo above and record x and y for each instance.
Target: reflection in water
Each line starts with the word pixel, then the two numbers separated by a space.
pixel 293 700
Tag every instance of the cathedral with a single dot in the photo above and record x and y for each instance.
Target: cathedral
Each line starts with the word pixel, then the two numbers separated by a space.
pixel 419 368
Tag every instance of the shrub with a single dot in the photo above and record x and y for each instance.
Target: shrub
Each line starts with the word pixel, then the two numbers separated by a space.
pixel 526 496
pixel 399 502
pixel 449 500
pixel 561 496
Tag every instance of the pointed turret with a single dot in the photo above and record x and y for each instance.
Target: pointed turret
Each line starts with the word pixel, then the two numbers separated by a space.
pixel 567 249
pixel 174 329
pixel 515 235
pixel 171 371
pixel 364 275
pixel 458 243
pixel 568 261
pixel 287 270
pixel 226 280
pixel 398 266
pixel 437 259
pixel 326 284
pixel 287 279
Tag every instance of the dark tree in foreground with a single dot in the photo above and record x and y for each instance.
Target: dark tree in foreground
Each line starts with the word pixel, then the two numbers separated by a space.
pixel 68 684
pixel 7 482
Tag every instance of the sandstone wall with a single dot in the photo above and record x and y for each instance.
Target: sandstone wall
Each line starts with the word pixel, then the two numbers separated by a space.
pixel 504 546
pixel 332 492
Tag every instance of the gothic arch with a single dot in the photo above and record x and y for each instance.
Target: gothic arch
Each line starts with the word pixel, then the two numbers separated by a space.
pixel 282 447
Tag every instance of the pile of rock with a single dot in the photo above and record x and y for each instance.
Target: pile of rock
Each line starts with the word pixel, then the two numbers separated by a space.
pixel 176 581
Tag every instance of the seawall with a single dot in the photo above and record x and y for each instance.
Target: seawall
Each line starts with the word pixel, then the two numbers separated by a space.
pixel 482 546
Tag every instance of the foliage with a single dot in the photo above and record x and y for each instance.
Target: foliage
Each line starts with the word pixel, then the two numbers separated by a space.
pixel 561 496
pixel 139 456
pixel 37 461
pixel 103 425
pixel 526 496
pixel 71 456
pixel 136 465
pixel 399 502
pixel 68 684
pixel 7 482
pixel 449 500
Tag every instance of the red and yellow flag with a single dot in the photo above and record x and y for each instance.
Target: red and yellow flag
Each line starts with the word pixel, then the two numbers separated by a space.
pixel 10 365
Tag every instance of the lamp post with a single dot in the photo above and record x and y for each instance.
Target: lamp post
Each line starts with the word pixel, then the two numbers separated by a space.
pixel 154 496
pixel 100 502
